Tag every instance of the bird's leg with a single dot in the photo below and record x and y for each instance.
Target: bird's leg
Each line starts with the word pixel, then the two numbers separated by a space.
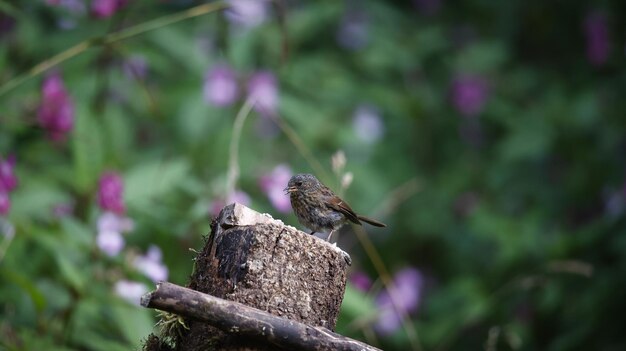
pixel 329 235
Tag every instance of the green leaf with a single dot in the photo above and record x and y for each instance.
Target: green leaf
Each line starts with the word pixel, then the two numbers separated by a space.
pixel 134 322
pixel 152 179
pixel 87 148
pixel 36 296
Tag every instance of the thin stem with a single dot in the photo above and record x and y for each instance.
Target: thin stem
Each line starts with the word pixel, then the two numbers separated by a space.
pixel 109 39
pixel 380 267
pixel 233 152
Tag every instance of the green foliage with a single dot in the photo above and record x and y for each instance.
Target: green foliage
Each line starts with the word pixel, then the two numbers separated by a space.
pixel 517 223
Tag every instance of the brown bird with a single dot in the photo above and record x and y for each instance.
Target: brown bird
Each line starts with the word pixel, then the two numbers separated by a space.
pixel 318 208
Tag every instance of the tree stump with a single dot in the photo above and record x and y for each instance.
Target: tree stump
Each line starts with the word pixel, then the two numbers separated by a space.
pixel 258 261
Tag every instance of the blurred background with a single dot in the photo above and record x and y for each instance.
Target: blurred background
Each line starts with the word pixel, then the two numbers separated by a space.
pixel 489 136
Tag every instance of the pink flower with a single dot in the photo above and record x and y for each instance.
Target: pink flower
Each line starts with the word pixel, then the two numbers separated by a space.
pixel 111 193
pixel 367 124
pixel 106 8
pixel 130 291
pixel 597 36
pixel 406 295
pixel 56 112
pixel 151 264
pixel 361 281
pixel 273 184
pixel 263 89
pixel 110 229
pixel 220 86
pixel 8 180
pixel 5 202
pixel 247 13
pixel 110 242
pixel 469 94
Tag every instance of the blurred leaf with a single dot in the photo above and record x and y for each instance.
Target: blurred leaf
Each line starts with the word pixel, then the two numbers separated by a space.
pixel 134 322
pixel 148 181
pixel 87 148
pixel 36 295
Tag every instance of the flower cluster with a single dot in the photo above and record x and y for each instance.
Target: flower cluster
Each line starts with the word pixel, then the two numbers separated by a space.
pixel 221 89
pixel 56 111
pixel 8 182
pixel 402 298
pixel 273 184
pixel 110 193
pixel 112 223
pixel 247 13
pixel 111 226
pixel 470 94
pixel 151 264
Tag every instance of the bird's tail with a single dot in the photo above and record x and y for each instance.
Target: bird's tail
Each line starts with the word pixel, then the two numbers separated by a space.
pixel 371 221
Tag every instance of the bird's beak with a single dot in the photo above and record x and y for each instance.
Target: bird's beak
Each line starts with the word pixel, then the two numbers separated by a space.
pixel 290 189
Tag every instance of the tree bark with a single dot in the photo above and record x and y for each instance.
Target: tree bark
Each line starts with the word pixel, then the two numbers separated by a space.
pixel 240 320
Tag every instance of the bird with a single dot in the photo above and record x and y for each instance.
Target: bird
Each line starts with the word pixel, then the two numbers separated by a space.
pixel 318 208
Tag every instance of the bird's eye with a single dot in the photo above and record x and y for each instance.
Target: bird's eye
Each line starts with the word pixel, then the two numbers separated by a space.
pixel 298 183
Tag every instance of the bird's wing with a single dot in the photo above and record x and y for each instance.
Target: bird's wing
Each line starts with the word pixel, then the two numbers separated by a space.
pixel 339 205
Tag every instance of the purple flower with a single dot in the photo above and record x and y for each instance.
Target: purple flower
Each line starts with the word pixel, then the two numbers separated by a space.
pixel 5 202
pixel 469 94
pixel 273 184
pixel 8 180
pixel 247 13
pixel 110 229
pixel 220 86
pixel 56 112
pixel 111 193
pixel 151 265
pixel 130 291
pixel 135 67
pixel 597 36
pixel 239 197
pixel 106 8
pixel 263 89
pixel 361 281
pixel 353 31
pixel 109 242
pixel 367 124
pixel 405 295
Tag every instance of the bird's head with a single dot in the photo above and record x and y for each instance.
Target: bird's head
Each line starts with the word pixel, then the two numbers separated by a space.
pixel 302 183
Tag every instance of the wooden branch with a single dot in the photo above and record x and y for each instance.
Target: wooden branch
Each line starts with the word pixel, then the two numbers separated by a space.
pixel 238 319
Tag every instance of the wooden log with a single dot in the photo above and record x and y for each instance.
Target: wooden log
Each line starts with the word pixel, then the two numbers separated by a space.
pixel 239 320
